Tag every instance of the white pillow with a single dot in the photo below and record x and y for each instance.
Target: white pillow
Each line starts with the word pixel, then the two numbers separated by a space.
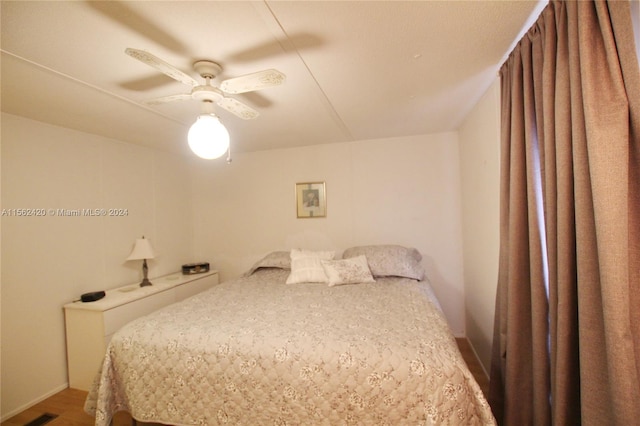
pixel 306 266
pixel 347 271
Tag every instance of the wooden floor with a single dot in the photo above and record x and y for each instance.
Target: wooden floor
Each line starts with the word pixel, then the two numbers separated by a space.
pixel 474 365
pixel 68 404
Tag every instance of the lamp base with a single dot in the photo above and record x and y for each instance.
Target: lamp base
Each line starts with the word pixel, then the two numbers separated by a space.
pixel 145 270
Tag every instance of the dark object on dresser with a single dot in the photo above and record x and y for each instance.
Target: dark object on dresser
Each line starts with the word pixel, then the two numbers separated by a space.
pixel 195 268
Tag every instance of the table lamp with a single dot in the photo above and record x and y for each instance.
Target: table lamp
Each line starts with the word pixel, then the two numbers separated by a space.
pixel 142 250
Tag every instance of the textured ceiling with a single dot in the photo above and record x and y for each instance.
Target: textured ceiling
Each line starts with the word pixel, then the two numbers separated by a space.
pixel 355 70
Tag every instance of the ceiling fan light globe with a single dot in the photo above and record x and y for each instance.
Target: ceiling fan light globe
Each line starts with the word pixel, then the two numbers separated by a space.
pixel 208 138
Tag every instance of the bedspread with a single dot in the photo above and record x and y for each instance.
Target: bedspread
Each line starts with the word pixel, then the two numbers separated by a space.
pixel 258 351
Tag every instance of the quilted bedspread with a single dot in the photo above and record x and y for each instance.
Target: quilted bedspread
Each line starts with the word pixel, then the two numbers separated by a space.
pixel 256 351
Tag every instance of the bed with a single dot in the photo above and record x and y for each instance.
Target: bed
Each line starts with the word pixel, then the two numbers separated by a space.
pixel 301 338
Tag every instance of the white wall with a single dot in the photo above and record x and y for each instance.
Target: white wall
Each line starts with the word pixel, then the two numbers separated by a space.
pixel 480 175
pixel 49 261
pixel 401 191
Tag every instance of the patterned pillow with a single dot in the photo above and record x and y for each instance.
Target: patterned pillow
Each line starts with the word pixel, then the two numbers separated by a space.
pixel 390 260
pixel 276 259
pixel 306 266
pixel 347 271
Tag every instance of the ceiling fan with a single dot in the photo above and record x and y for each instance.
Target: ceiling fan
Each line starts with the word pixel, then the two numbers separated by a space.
pixel 206 92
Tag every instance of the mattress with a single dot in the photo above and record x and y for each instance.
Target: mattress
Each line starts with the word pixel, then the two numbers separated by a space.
pixel 258 351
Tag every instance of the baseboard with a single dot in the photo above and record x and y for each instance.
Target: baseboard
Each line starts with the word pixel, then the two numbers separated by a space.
pixel 7 416
pixel 478 358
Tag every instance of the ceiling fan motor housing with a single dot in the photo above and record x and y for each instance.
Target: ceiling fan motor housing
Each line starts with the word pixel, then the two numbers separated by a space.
pixel 207 69
pixel 207 93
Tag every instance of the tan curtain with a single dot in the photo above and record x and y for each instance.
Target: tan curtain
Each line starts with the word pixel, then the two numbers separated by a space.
pixel 567 327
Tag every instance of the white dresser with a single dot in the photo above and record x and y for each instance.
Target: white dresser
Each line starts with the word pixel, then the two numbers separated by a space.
pixel 90 325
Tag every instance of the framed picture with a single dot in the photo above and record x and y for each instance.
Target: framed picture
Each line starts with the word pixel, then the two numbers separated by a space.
pixel 311 200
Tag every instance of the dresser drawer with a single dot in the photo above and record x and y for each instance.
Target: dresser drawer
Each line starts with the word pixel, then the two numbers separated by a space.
pixel 196 286
pixel 115 318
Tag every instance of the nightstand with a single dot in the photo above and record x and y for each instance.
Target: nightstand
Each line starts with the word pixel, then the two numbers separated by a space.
pixel 90 325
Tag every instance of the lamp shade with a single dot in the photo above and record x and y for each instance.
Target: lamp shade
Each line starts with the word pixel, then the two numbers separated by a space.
pixel 141 250
pixel 208 138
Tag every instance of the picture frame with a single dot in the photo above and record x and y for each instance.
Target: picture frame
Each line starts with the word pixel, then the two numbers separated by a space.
pixel 311 200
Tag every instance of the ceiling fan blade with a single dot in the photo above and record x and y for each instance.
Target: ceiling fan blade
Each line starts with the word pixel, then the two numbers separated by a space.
pixel 255 81
pixel 238 108
pixel 161 66
pixel 165 99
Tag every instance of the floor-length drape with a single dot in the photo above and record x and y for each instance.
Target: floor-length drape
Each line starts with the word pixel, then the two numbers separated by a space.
pixel 567 328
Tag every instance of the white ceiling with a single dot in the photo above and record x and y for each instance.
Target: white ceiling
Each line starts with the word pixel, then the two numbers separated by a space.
pixel 355 70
